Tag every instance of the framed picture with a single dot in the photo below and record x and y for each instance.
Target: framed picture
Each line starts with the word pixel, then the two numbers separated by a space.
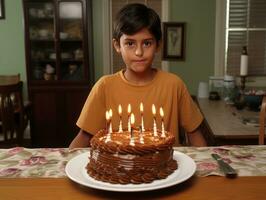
pixel 2 9
pixel 173 41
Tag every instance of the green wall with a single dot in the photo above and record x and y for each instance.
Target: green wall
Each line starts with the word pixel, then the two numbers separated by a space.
pixel 12 52
pixel 200 35
pixel 198 64
pixel 97 38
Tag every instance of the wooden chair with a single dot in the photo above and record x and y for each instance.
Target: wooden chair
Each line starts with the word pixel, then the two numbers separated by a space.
pixel 262 121
pixel 12 116
pixel 9 79
pixel 13 79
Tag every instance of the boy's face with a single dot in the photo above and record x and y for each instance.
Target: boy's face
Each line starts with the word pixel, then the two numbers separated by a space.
pixel 137 50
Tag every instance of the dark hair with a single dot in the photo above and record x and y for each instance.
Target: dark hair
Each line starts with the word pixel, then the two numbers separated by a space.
pixel 134 17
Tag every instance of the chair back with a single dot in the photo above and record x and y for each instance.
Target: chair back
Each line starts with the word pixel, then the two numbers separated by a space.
pixel 262 121
pixel 11 114
pixel 9 79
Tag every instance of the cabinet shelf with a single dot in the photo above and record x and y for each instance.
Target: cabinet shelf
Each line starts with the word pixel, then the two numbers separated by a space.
pixel 71 40
pixel 71 61
pixel 42 40
pixel 53 60
pixel 43 60
pixel 53 40
pixel 36 21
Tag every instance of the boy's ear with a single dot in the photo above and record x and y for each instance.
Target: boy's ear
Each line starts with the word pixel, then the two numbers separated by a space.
pixel 116 45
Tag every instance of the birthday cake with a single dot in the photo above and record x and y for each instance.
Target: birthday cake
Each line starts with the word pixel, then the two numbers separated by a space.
pixel 131 157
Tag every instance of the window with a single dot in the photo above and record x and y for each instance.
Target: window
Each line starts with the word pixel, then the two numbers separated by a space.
pixel 246 26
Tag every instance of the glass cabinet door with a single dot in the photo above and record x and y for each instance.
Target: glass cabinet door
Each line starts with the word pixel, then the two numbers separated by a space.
pixel 71 40
pixel 42 55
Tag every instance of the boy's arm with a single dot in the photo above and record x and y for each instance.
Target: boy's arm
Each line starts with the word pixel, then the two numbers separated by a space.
pixel 81 140
pixel 196 138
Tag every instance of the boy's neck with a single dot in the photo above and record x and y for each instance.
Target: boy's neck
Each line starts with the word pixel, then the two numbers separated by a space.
pixel 140 78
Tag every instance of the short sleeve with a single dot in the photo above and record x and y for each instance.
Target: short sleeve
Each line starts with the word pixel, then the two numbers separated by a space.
pixel 92 117
pixel 189 114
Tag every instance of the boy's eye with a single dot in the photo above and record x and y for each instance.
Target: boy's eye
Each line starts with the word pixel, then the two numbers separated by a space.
pixel 129 43
pixel 147 43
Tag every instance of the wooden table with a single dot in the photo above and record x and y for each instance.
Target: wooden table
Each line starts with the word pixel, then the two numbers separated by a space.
pixel 225 123
pixel 40 174
pixel 196 188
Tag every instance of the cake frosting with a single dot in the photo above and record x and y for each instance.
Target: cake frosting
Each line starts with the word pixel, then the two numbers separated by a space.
pixel 131 157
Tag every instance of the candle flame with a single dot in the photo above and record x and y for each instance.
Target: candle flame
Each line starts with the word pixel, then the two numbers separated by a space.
pixel 161 112
pixel 129 109
pixel 107 116
pixel 153 109
pixel 120 109
pixel 132 119
pixel 110 113
pixel 141 107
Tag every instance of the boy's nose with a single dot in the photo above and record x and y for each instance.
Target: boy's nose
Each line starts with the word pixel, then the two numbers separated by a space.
pixel 139 51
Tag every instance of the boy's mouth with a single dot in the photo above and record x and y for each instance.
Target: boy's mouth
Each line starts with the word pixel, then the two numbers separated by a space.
pixel 138 61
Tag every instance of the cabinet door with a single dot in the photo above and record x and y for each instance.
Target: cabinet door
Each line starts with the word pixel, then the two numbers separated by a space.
pixel 72 41
pixel 57 45
pixel 45 118
pixel 55 113
pixel 41 43
pixel 74 101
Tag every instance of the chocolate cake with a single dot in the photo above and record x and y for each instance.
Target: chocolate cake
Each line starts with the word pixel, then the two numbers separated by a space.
pixel 132 157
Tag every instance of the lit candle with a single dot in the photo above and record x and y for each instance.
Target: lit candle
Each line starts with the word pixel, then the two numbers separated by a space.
pixel 128 113
pixel 108 137
pixel 162 115
pixel 154 121
pixel 141 114
pixel 132 121
pixel 107 117
pixel 110 125
pixel 141 139
pixel 120 130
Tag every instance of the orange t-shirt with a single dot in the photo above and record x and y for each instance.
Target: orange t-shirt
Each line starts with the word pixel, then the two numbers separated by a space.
pixel 166 90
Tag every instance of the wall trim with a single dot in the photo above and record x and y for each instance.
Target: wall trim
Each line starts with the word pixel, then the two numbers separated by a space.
pixel 106 39
pixel 165 18
pixel 219 48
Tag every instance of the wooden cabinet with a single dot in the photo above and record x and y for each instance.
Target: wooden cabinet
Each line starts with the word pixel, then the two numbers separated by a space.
pixel 58 41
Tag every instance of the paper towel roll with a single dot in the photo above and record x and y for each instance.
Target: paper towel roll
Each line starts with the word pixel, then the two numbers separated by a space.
pixel 203 91
pixel 244 65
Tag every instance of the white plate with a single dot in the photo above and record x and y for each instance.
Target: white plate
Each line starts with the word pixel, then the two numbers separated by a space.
pixel 75 170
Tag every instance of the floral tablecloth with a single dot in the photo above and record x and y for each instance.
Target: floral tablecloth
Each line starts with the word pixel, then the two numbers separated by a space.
pixel 51 162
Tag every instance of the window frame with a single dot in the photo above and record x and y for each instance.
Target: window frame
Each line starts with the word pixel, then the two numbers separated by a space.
pixel 220 38
pixel 221 43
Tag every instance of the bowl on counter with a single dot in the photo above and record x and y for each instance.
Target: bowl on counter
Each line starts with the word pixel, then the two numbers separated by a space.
pixel 253 101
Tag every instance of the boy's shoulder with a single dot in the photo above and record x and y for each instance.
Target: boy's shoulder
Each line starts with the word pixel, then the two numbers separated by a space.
pixel 170 77
pixel 108 78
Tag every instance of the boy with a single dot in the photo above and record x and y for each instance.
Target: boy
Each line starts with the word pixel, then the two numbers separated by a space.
pixel 137 36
